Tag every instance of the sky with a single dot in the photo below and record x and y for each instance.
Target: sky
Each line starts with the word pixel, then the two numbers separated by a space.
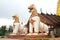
pixel 9 7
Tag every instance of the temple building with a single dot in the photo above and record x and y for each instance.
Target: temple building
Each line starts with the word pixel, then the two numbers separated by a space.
pixel 53 23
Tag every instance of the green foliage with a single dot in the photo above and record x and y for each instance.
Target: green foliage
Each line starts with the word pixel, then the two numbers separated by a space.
pixel 38 39
pixel 2 37
pixel 27 39
pixel 45 39
pixel 3 30
pixel 10 29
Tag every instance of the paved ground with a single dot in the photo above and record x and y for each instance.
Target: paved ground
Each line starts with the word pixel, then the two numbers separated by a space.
pixel 22 39
pixel 9 39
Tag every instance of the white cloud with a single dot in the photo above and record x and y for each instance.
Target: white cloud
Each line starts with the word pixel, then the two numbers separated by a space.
pixel 6 22
pixel 8 7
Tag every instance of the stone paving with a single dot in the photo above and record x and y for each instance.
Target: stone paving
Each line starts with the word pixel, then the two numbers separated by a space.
pixel 22 39
pixel 9 39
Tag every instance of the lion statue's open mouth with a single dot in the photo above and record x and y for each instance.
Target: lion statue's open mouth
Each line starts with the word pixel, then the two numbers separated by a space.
pixel 30 9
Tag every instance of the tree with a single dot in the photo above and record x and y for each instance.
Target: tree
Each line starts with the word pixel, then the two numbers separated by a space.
pixel 10 29
pixel 3 30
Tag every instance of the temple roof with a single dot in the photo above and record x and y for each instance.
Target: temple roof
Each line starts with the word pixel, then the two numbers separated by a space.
pixel 50 19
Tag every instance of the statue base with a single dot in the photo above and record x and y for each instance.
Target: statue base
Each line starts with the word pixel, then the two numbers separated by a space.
pixel 34 35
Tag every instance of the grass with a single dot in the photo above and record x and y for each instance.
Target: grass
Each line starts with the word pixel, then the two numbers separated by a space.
pixel 38 39
pixel 3 36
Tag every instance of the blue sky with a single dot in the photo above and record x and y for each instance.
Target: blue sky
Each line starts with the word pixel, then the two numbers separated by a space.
pixel 9 7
